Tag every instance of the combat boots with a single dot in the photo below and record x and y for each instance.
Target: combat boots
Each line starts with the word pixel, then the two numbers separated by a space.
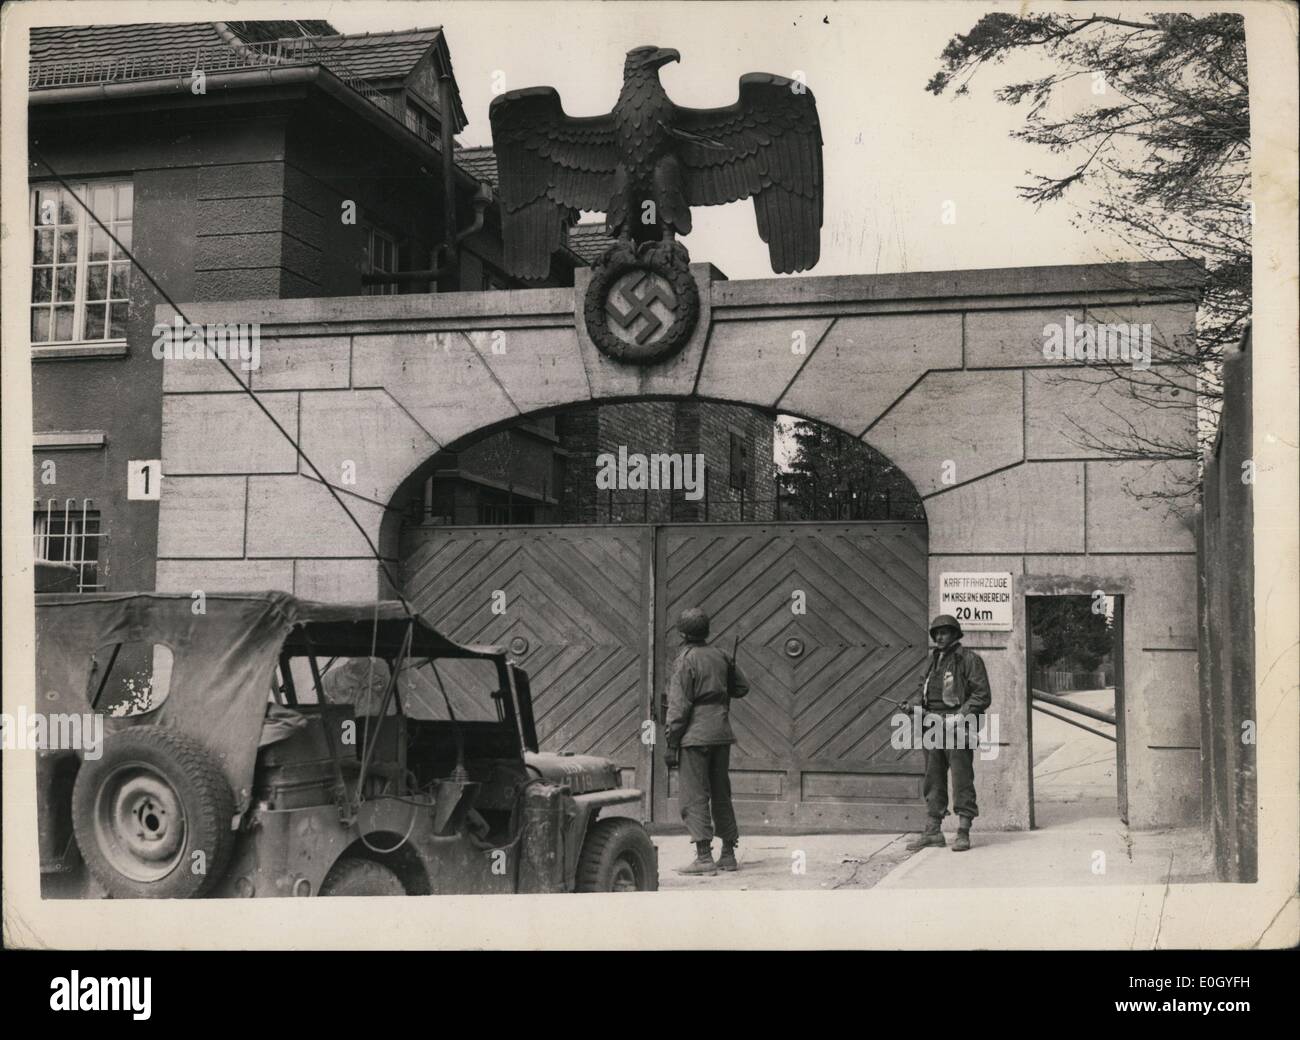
pixel 963 835
pixel 930 836
pixel 703 863
pixel 727 859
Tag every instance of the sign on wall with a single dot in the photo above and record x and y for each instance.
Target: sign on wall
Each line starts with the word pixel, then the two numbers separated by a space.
pixel 980 600
pixel 144 479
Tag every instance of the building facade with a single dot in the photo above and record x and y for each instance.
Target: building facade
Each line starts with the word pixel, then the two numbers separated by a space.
pixel 236 161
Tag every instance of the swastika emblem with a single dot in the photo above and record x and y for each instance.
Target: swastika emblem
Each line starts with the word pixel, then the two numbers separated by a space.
pixel 642 303
pixel 640 307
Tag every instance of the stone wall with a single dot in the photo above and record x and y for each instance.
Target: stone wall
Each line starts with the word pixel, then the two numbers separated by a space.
pixel 942 372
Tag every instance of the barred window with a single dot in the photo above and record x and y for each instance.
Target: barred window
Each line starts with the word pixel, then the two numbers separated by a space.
pixel 81 278
pixel 70 532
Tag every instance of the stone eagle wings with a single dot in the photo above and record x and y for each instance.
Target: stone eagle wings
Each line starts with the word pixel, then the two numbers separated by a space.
pixel 648 161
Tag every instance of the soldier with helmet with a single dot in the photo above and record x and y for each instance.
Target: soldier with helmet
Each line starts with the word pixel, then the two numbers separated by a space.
pixel 955 686
pixel 698 735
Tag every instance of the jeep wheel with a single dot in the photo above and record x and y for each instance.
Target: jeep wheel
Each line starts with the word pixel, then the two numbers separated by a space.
pixel 354 876
pixel 618 856
pixel 152 815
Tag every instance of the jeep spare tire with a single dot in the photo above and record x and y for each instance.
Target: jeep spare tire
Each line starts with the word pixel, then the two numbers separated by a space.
pixel 618 856
pixel 152 816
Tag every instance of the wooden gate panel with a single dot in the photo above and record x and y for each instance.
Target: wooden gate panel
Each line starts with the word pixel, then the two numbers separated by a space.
pixel 813 737
pixel 813 744
pixel 575 607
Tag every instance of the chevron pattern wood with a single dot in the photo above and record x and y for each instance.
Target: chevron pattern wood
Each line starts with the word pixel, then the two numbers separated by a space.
pixel 813 737
pixel 575 609
pixel 813 749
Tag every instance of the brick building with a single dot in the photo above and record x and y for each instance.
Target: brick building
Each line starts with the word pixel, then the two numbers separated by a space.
pixel 237 161
pixel 736 443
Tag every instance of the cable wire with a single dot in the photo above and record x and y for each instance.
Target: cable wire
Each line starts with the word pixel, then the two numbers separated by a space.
pixel 374 550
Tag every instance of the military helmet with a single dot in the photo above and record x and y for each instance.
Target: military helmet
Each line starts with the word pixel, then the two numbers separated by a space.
pixel 693 623
pixel 945 621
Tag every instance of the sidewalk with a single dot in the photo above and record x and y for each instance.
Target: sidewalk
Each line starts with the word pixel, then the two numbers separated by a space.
pixel 1059 855
pixel 1079 838
pixel 1088 851
pixel 817 862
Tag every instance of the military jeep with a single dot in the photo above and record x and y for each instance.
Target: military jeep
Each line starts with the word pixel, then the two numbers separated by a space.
pixel 260 745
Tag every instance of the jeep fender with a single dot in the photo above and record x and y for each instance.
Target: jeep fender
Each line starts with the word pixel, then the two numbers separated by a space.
pixel 586 807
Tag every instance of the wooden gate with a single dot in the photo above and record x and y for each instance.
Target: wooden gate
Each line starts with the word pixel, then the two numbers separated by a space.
pixel 571 604
pixel 829 620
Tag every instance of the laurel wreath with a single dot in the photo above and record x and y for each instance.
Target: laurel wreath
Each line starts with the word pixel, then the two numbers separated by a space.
pixel 671 262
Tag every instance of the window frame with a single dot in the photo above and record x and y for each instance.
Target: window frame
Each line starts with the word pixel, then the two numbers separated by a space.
pixel 85 227
pixel 375 232
pixel 738 476
pixel 74 521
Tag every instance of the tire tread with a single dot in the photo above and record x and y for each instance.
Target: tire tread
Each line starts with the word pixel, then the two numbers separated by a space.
pixel 216 808
pixel 595 858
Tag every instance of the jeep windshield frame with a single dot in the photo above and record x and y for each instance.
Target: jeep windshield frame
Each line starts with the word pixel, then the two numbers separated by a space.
pixel 381 630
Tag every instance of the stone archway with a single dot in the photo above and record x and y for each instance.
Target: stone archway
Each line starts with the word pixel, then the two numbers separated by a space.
pixel 944 373
pixel 826 615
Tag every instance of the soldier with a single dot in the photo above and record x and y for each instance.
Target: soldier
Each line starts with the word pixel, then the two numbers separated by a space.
pixel 698 734
pixel 956 687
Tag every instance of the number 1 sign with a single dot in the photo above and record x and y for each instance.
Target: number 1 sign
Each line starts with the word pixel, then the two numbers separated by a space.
pixel 144 479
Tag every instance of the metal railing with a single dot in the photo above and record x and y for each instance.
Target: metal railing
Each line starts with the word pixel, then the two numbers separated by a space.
pixel 299 51
pixel 1038 698
pixel 70 533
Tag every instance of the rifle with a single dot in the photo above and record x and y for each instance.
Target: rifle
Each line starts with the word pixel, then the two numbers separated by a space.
pixel 731 674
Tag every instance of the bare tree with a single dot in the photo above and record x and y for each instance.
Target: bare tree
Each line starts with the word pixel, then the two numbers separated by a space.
pixel 1161 160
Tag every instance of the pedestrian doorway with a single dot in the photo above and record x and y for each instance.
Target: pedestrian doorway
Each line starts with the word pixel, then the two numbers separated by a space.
pixel 1076 708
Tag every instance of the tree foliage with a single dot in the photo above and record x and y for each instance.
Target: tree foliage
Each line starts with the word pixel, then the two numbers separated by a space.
pixel 833 476
pixel 1067 629
pixel 1158 155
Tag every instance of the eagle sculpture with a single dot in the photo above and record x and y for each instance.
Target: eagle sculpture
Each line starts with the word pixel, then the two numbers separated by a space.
pixel 647 162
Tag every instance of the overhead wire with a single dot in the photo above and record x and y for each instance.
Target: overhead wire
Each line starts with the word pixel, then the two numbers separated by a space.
pixel 374 550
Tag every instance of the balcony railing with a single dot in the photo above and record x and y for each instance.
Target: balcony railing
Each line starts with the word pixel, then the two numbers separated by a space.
pixel 301 51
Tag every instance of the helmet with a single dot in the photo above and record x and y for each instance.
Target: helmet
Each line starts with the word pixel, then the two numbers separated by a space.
pixel 693 623
pixel 945 621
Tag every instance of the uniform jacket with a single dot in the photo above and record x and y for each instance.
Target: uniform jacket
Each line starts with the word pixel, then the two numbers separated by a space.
pixel 961 677
pixel 699 709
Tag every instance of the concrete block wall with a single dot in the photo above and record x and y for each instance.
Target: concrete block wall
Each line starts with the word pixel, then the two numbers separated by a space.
pixel 942 372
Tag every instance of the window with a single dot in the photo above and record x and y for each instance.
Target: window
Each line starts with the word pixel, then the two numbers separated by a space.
pixel 81 279
pixel 130 678
pixel 497 507
pixel 422 123
pixel 70 534
pixel 382 257
pixel 739 462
